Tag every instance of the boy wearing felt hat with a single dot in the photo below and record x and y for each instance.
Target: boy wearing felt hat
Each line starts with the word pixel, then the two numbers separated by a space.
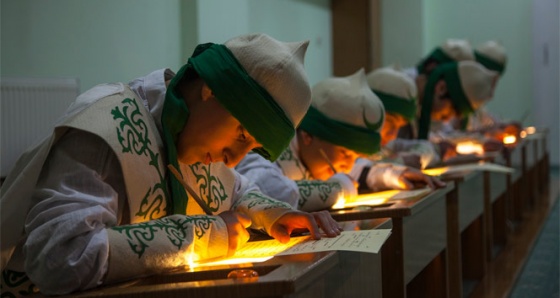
pixel 451 50
pixel 493 56
pixel 97 201
pixel 342 124
pixel 397 92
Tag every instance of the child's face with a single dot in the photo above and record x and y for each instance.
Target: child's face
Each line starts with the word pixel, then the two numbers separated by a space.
pixel 212 134
pixel 443 110
pixel 342 159
pixel 442 105
pixel 391 126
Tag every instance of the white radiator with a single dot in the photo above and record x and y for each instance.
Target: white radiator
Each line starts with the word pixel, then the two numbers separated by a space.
pixel 30 107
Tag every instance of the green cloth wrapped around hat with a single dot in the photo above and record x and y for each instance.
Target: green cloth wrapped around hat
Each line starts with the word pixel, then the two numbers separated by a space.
pixel 492 55
pixel 396 90
pixel 345 112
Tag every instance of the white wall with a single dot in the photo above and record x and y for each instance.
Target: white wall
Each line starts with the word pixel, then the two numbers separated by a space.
pixel 546 69
pixel 402 32
pixel 509 22
pixel 298 20
pixel 96 41
pixel 285 20
pixel 106 41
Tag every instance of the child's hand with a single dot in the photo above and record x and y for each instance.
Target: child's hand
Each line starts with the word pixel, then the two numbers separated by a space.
pixel 412 178
pixel 237 225
pixel 298 220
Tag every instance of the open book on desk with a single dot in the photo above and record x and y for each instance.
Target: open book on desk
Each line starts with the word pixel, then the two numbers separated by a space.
pixel 479 166
pixel 380 197
pixel 368 241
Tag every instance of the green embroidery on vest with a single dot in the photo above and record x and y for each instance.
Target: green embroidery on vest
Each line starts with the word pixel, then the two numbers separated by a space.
pixel 257 198
pixel 140 235
pixel 289 156
pixel 311 188
pixel 16 284
pixel 211 189
pixel 133 136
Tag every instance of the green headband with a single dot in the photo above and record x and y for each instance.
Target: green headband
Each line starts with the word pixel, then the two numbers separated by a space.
pixel 356 138
pixel 449 72
pixel 489 62
pixel 438 55
pixel 244 98
pixel 398 105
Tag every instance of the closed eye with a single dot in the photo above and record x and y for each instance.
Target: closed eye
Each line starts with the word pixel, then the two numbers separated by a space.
pixel 246 138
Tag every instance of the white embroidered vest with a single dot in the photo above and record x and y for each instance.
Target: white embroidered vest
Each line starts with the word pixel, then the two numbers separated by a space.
pixel 124 123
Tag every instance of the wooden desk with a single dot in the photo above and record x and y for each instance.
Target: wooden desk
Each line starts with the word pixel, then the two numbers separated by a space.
pixel 325 274
pixel 531 174
pixel 514 159
pixel 418 237
pixel 539 163
pixel 496 202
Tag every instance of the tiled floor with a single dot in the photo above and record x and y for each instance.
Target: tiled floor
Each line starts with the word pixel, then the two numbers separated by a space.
pixel 528 266
pixel 541 274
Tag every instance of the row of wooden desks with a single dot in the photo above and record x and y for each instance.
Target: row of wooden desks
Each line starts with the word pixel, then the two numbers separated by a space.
pixel 442 243
pixel 438 243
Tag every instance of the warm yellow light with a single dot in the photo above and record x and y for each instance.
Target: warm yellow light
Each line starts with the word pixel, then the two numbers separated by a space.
pixel 469 147
pixel 523 134
pixel 190 257
pixel 370 199
pixel 530 130
pixel 436 171
pixel 251 252
pixel 236 261
pixel 339 202
pixel 510 139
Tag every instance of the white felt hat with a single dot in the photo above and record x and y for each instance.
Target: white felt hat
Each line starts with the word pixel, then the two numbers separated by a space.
pixel 395 89
pixel 393 82
pixel 477 82
pixel 347 99
pixel 278 67
pixel 344 111
pixel 458 49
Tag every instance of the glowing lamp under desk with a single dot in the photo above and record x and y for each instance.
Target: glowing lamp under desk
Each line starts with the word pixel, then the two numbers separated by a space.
pixel 469 147
pixel 509 139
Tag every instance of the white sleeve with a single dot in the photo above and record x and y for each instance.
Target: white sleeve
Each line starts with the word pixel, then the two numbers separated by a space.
pixel 377 176
pixel 269 178
pixel 383 176
pixel 305 195
pixel 426 150
pixel 481 119
pixel 67 247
